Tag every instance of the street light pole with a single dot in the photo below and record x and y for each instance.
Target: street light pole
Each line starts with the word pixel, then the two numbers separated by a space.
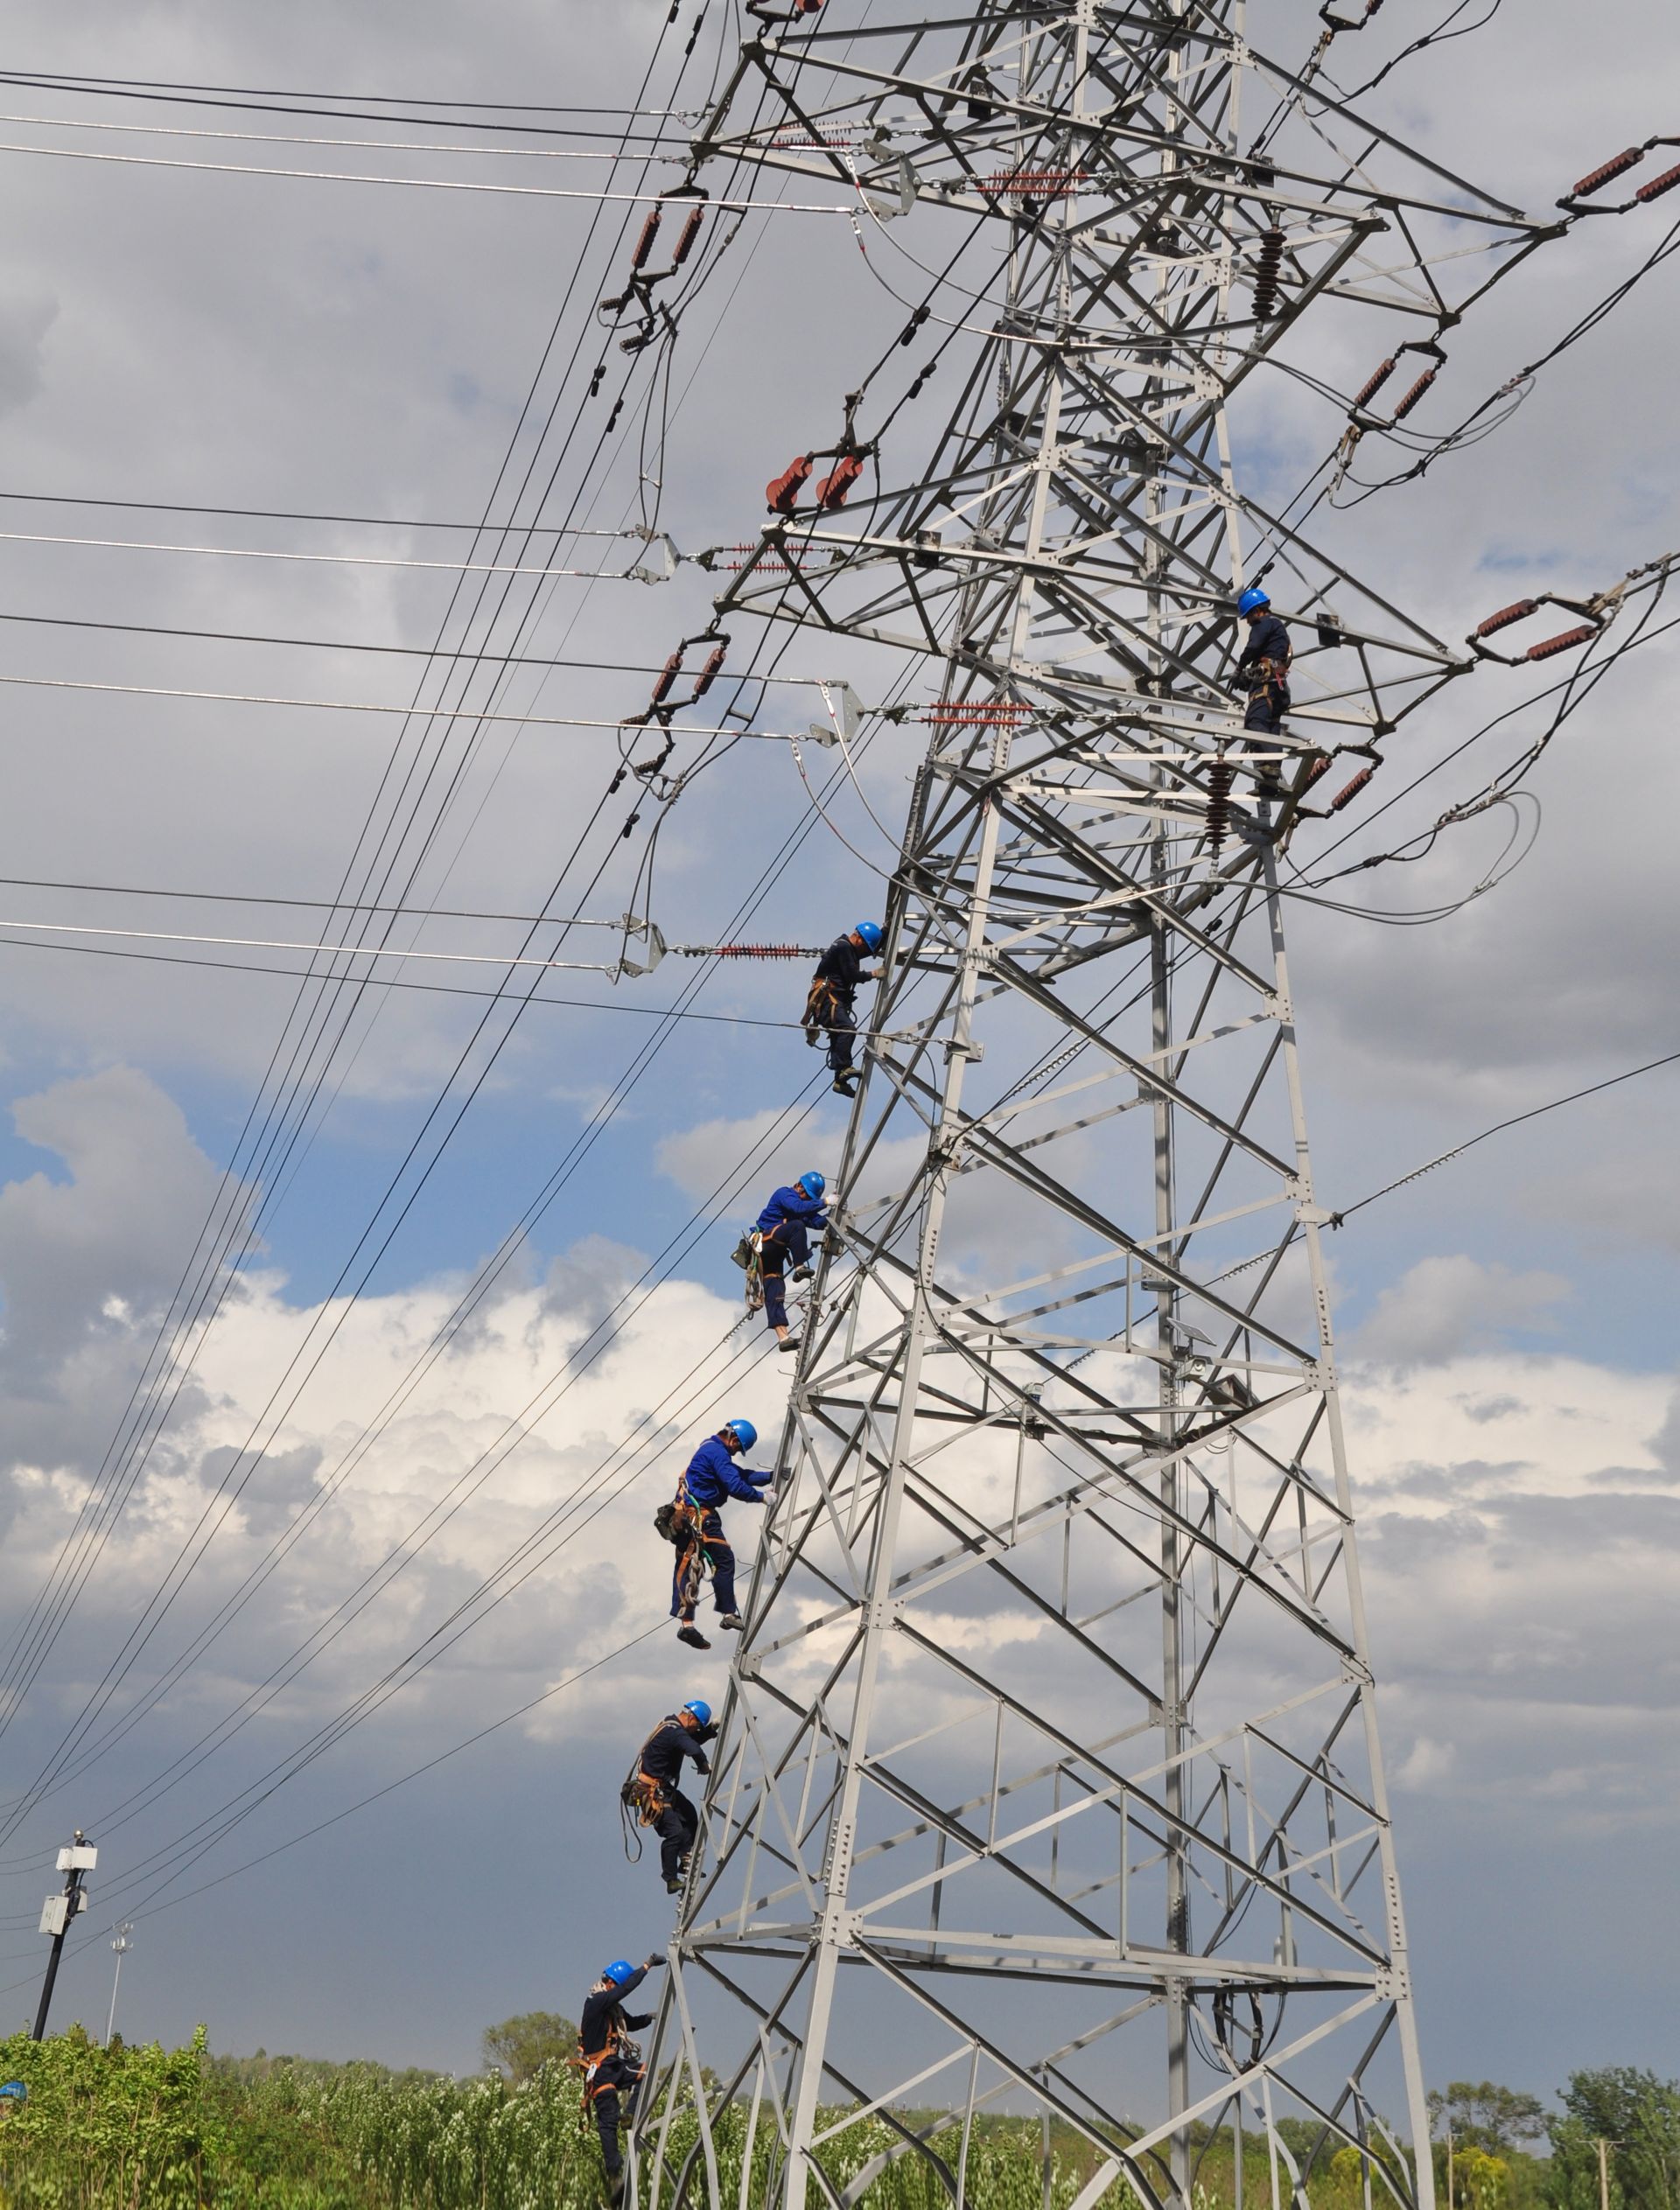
pixel 121 1942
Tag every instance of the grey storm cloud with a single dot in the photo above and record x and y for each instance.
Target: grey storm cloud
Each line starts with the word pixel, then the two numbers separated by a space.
pixel 25 318
pixel 90 1257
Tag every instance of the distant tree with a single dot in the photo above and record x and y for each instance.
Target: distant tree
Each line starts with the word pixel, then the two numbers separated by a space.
pixel 1494 2119
pixel 1639 2116
pixel 521 2046
pixel 1482 2181
pixel 1347 2166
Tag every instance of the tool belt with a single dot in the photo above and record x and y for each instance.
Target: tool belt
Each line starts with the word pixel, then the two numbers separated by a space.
pixel 749 1254
pixel 645 1796
pixel 822 1001
pixel 672 1521
pixel 587 2064
pixel 1267 675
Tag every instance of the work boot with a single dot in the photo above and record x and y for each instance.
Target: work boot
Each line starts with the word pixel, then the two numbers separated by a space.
pixel 673 1887
pixel 790 1342
pixel 615 2187
pixel 845 1085
pixel 693 1637
pixel 801 1273
pixel 732 1620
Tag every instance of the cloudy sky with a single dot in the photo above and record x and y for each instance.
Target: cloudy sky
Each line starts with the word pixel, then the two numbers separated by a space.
pixel 484 1297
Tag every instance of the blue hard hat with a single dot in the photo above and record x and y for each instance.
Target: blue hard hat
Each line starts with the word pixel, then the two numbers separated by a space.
pixel 16 2090
pixel 1250 599
pixel 743 1432
pixel 871 933
pixel 813 1184
pixel 619 1972
pixel 701 1710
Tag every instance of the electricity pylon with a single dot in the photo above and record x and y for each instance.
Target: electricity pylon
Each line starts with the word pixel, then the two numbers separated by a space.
pixel 1050 1780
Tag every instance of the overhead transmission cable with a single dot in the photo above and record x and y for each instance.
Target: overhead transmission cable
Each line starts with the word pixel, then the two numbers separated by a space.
pixel 768 874
pixel 761 885
pixel 29 1639
pixel 203 95
pixel 517 1429
pixel 600 196
pixel 614 152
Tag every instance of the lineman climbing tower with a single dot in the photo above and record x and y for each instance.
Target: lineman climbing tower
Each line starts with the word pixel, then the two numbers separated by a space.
pixel 1050 1779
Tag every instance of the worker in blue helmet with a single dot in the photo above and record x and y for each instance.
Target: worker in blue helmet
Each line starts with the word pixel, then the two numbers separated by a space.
pixel 784 1232
pixel 611 2062
pixel 1263 666
pixel 831 1004
pixel 652 1791
pixel 698 1527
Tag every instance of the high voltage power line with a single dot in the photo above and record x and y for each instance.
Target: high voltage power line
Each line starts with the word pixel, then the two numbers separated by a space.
pixel 33 1642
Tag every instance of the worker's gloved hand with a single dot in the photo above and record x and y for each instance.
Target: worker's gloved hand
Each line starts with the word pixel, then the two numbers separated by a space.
pixel 653 1964
pixel 702 1764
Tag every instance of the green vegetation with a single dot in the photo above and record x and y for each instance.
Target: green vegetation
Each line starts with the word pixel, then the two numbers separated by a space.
pixel 521 2046
pixel 146 2129
pixel 1639 2116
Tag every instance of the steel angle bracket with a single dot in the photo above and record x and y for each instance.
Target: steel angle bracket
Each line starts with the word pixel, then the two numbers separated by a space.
pixel 651 936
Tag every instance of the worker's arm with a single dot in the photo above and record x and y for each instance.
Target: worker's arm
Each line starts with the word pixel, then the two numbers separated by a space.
pixel 594 2028
pixel 745 1485
pixel 1268 639
pixel 714 1463
pixel 842 965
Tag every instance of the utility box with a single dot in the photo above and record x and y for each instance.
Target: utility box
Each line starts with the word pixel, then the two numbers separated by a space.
pixel 56 1911
pixel 80 1857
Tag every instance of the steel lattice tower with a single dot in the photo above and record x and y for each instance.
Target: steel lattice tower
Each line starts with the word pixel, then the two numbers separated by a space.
pixel 1050 1777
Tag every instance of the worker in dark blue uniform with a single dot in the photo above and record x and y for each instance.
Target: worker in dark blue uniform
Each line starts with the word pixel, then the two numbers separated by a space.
pixel 784 1232
pixel 1263 666
pixel 652 1789
pixel 612 2063
pixel 697 1526
pixel 831 1006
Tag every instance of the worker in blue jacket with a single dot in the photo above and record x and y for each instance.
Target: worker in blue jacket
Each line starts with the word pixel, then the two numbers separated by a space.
pixel 784 1232
pixel 654 1788
pixel 611 2062
pixel 830 1004
pixel 698 1528
pixel 1262 664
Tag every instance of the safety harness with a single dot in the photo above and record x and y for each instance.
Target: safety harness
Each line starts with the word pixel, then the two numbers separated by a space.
pixel 824 1001
pixel 679 1523
pixel 1269 674
pixel 588 2062
pixel 748 1254
pixel 642 1799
